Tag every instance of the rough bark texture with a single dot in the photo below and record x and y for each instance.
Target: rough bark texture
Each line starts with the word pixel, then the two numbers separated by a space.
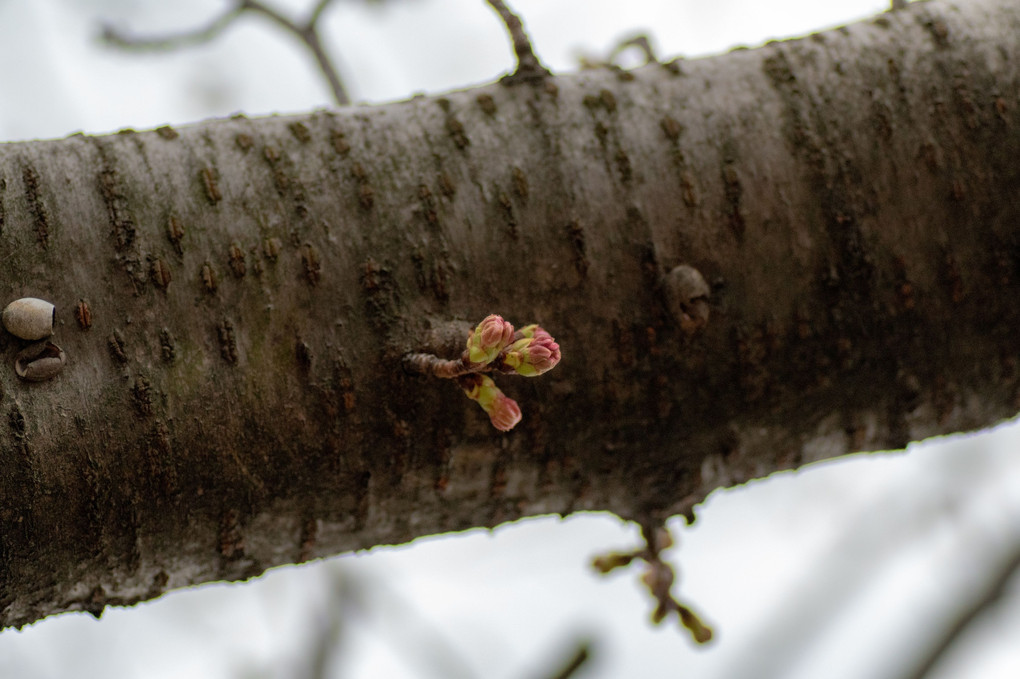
pixel 233 397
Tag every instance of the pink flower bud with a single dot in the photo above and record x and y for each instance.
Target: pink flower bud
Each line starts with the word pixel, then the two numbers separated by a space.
pixel 505 413
pixel 534 330
pixel 491 336
pixel 533 355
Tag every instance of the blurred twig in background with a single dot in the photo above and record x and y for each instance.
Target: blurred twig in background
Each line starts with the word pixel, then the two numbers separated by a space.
pixel 307 32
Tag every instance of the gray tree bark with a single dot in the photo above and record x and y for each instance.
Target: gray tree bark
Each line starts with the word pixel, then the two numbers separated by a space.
pixel 233 397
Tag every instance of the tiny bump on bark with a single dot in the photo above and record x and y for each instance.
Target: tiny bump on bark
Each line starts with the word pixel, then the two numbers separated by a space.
pixel 339 141
pixel 211 183
pixel 244 141
pixel 159 272
pixel 520 181
pixel 115 344
pixel 671 128
pixel 311 265
pixel 446 185
pixel 167 345
pixel 456 130
pixel 227 342
pixel 141 396
pixel 175 233
pixel 167 132
pixel 40 215
pixel 486 103
pixel 271 248
pixel 208 276
pixel 300 132
pixel 83 314
pixel 235 257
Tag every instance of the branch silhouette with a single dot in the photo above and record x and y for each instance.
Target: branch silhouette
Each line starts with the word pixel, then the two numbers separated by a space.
pixel 307 32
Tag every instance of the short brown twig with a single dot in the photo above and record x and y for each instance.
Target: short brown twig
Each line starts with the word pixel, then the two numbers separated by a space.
pixel 529 68
pixel 308 33
pixel 658 578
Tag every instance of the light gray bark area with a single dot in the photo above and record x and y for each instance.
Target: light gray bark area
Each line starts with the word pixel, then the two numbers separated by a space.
pixel 238 402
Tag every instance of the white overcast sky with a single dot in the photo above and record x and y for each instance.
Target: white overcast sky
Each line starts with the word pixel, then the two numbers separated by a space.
pixel 836 571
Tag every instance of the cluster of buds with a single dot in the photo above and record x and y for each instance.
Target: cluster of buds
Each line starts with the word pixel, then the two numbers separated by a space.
pixel 494 346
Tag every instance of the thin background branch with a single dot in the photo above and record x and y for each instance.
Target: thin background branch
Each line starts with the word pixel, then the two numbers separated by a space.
pixel 528 65
pixel 992 591
pixel 307 33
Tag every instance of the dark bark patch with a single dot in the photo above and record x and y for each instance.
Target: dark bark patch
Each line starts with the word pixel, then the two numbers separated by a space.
pixel 227 342
pixel 40 215
pixel 428 204
pixel 575 234
pixel 167 132
pixel 551 88
pixel 734 201
pixel 271 248
pixel 440 276
pixel 938 29
pixel 446 185
pixel 3 191
pixel 1001 109
pixel 95 603
pixel 608 101
pixel 231 536
pixel 141 396
pixel 339 141
pixel 455 128
pixel 687 189
pixel 303 356
pixel 175 233
pixel 671 128
pixel 673 66
pixel 211 183
pixel 209 280
pixel 309 533
pixel 167 346
pixel 163 472
pixel 244 141
pixel 115 344
pixel 311 264
pixel 83 314
pixel 486 103
pixel 507 209
pixel 623 166
pixel 236 261
pixel 952 279
pixel 300 132
pixel 16 421
pixel 159 272
pixel 380 293
pixel 366 194
pixel 520 182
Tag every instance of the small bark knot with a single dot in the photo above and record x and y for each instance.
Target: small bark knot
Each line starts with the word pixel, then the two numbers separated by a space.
pixel 687 294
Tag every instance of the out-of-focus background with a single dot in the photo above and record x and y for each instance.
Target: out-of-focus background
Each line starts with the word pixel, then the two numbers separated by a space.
pixel 850 569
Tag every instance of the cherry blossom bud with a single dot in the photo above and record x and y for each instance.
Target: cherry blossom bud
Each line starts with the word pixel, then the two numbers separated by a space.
pixel 491 336
pixel 504 413
pixel 533 355
pixel 534 330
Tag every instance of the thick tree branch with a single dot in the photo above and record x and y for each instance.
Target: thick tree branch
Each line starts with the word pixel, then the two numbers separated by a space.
pixel 776 256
